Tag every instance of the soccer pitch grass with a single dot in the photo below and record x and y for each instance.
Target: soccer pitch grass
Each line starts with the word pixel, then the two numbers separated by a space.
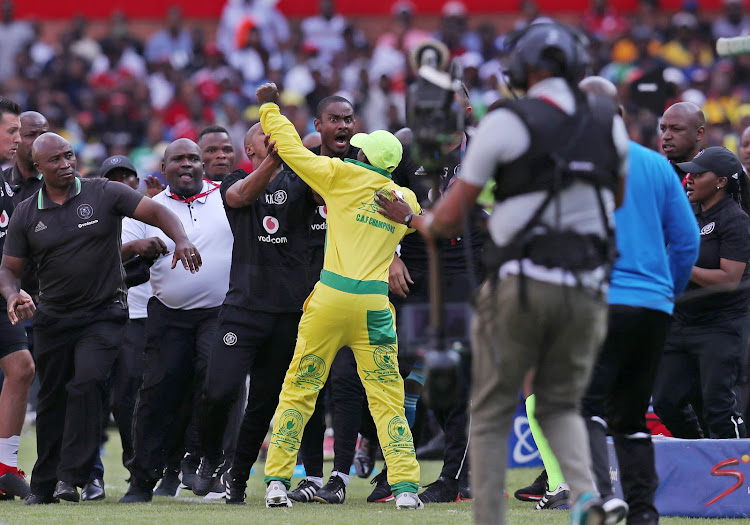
pixel 189 509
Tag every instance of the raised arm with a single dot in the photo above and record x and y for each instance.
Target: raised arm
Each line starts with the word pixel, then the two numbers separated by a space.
pixel 157 215
pixel 245 192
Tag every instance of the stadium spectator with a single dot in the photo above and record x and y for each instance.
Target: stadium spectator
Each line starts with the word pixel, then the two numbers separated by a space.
pixel 733 21
pixel 173 43
pixel 15 35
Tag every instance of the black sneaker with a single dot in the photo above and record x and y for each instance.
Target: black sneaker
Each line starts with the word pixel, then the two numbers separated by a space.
pixel 208 471
pixel 188 466
pixel 234 489
pixel 136 494
pixel 535 491
pixel 382 491
pixel 39 499
pixel 364 458
pixel 169 485
pixel 442 490
pixel 555 499
pixel 333 492
pixel 464 490
pixel 305 492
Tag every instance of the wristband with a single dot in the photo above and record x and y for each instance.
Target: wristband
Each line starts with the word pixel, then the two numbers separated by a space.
pixel 408 218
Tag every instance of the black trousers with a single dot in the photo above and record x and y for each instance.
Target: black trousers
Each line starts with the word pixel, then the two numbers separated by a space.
pixel 126 380
pixel 619 393
pixel 177 348
pixel 454 422
pixel 700 367
pixel 254 342
pixel 346 397
pixel 74 358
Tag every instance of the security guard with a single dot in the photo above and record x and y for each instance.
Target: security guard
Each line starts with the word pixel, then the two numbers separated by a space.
pixel 349 305
pixel 557 160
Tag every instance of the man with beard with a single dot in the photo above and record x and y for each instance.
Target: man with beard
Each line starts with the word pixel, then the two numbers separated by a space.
pixel 71 228
pixel 218 152
pixel 182 316
pixel 682 128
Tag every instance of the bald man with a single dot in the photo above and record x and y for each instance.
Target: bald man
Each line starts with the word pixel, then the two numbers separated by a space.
pixel 182 315
pixel 269 211
pixel 682 128
pixel 645 279
pixel 71 229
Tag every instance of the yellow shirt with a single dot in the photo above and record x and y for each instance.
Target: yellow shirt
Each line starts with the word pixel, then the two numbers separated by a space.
pixel 360 242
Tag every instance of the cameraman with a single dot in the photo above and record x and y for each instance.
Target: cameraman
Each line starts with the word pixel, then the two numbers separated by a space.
pixel 557 160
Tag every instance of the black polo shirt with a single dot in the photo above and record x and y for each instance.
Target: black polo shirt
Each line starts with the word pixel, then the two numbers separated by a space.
pixel 270 256
pixel 452 251
pixel 725 234
pixel 76 245
pixel 23 189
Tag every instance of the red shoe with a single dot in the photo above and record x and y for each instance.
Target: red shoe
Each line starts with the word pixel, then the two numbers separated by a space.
pixel 13 481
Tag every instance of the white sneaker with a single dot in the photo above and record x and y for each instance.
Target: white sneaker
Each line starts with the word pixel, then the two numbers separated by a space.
pixel 408 500
pixel 615 510
pixel 276 495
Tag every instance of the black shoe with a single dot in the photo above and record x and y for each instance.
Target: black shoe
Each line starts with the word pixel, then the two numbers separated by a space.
pixel 535 491
pixel 364 458
pixel 234 489
pixel 93 490
pixel 441 491
pixel 13 482
pixel 66 491
pixel 38 499
pixel 208 470
pixel 216 490
pixel 305 492
pixel 333 492
pixel 188 466
pixel 6 497
pixel 169 485
pixel 464 490
pixel 382 491
pixel 136 494
pixel 555 499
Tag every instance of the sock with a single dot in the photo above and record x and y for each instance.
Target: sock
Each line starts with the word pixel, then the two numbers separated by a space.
pixel 554 474
pixel 318 481
pixel 9 450
pixel 410 407
pixel 343 476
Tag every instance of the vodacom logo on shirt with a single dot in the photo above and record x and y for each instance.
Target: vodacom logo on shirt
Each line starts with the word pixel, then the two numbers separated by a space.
pixel 271 225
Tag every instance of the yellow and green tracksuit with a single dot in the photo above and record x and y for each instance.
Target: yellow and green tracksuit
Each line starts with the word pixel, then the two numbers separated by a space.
pixel 348 307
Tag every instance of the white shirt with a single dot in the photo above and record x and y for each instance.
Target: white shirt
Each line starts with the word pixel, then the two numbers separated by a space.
pixel 206 226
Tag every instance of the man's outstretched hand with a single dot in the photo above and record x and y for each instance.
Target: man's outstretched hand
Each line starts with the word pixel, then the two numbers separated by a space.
pixel 267 93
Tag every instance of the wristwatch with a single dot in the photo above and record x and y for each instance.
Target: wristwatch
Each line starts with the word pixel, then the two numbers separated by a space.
pixel 408 218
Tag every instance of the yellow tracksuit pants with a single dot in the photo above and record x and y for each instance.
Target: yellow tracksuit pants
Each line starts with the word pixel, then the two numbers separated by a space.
pixel 366 323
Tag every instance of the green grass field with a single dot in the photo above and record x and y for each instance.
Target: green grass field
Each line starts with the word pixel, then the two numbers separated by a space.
pixel 189 509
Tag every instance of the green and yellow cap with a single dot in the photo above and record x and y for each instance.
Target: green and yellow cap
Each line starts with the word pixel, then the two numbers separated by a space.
pixel 382 149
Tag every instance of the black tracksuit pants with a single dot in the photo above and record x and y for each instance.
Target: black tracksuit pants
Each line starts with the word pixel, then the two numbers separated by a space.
pixel 74 358
pixel 620 391
pixel 126 380
pixel 248 341
pixel 701 366
pixel 178 343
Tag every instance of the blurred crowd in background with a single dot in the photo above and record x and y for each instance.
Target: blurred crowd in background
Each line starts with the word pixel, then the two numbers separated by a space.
pixel 124 95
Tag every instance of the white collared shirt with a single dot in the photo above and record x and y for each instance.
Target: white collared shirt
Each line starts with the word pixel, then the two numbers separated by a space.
pixel 206 226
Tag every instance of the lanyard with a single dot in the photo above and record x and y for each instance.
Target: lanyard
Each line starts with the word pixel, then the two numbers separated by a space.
pixel 212 187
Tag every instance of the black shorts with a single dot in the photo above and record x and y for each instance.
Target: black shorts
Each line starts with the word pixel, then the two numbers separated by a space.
pixel 12 338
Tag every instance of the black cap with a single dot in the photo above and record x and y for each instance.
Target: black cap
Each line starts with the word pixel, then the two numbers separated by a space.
pixel 117 162
pixel 717 159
